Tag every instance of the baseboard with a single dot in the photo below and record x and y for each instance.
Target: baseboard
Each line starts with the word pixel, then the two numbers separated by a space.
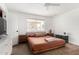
pixel 74 43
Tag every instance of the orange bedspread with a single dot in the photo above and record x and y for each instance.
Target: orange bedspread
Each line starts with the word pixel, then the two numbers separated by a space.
pixel 39 44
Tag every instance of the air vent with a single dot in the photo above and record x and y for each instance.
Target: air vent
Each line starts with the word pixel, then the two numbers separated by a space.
pixel 52 4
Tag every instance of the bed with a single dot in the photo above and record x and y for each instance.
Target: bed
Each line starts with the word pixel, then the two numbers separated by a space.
pixel 44 43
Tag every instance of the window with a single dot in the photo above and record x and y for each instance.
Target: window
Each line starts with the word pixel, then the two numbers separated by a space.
pixel 35 25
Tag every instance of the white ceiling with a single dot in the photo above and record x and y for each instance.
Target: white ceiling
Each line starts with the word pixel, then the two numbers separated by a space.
pixel 42 9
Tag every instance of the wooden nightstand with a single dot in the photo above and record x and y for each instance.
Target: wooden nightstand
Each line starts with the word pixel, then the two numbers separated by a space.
pixel 22 38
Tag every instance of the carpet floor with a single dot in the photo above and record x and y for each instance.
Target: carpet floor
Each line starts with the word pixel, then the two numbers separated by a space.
pixel 69 49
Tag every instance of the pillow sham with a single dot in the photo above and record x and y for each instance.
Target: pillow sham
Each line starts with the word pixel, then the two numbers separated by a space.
pixel 36 34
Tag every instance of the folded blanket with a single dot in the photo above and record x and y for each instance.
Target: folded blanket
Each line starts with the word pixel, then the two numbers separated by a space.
pixel 50 39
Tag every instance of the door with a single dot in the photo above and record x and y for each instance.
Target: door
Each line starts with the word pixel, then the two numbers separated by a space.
pixel 13 27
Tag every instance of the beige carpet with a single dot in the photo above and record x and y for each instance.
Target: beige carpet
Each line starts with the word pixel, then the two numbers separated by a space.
pixel 69 49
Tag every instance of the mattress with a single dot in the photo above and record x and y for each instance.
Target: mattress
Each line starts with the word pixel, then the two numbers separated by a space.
pixel 39 44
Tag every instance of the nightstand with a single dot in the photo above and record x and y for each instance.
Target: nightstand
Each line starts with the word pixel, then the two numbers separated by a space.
pixel 22 38
pixel 62 37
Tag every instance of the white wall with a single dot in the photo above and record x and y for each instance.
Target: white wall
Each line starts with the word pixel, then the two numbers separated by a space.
pixel 68 22
pixel 48 24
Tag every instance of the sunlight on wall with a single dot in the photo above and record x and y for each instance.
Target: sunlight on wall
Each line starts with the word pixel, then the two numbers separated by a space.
pixel 35 25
